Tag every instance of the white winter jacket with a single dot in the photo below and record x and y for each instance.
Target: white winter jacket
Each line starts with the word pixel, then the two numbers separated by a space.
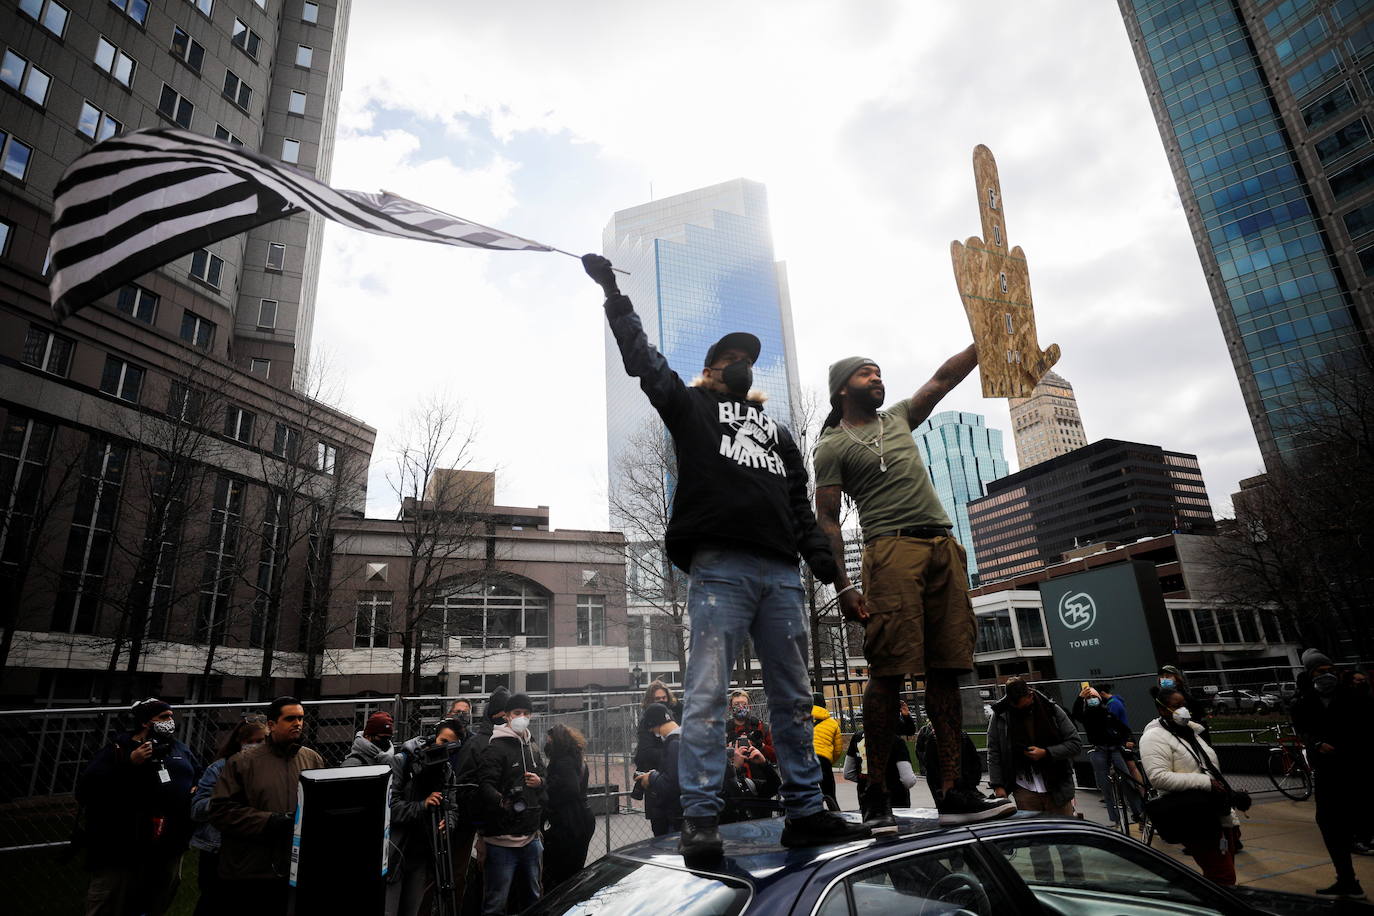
pixel 1170 764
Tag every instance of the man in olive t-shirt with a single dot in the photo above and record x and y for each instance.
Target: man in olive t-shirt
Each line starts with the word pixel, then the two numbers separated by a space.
pixel 914 605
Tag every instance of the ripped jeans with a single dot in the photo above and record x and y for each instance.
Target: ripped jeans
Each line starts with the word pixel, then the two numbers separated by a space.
pixel 732 595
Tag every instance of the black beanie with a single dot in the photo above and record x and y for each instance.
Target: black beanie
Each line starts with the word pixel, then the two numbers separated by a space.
pixel 144 710
pixel 655 715
pixel 497 704
pixel 520 701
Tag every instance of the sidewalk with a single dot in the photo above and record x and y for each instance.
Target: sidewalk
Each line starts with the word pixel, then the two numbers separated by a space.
pixel 1282 847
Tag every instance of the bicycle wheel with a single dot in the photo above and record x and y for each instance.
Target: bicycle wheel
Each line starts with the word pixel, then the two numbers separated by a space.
pixel 1289 776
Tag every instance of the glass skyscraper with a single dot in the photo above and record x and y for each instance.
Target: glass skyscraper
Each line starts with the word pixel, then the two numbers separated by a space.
pixel 1265 111
pixel 963 456
pixel 701 265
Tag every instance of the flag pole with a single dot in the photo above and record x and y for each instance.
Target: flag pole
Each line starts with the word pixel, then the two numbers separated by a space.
pixel 464 219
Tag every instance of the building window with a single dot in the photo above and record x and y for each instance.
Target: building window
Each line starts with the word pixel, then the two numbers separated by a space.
pixel 296 104
pixel 487 614
pixel 115 62
pixel 24 447
pixel 276 256
pixel 1351 136
pixel 221 547
pixel 291 150
pixel 121 379
pixel 287 442
pixel 205 6
pixel 326 456
pixel 197 331
pixel 245 38
pixel 1030 628
pixel 238 423
pixel 7 230
pixel 47 351
pixel 310 12
pixel 304 55
pixel 96 124
pixel 222 133
pixel 185 403
pixel 267 314
pixel 137 302
pixel 94 520
pixel 174 106
pixel 14 156
pixel 207 267
pixel 50 15
pixel 236 90
pixel 187 49
pixel 137 10
pixel 260 367
pixel 374 620
pixel 24 78
pixel 591 620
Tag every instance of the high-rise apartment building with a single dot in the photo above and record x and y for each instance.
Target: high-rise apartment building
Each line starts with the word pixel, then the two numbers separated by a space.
pixel 1109 491
pixel 962 456
pixel 701 265
pixel 1047 423
pixel 167 484
pixel 1265 110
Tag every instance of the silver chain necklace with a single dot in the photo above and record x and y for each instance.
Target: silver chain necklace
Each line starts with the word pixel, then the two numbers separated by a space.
pixel 876 446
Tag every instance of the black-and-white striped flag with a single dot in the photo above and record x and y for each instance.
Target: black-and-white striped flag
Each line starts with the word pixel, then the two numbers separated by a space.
pixel 143 199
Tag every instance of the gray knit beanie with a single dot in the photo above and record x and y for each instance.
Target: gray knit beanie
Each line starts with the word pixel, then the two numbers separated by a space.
pixel 1314 658
pixel 839 374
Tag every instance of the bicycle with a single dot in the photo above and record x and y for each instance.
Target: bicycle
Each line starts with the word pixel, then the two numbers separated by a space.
pixel 1123 782
pixel 1289 770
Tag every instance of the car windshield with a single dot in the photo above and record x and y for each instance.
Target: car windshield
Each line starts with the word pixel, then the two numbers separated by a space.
pixel 620 887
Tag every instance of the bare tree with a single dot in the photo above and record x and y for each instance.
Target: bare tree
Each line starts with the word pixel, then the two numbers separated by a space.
pixel 640 506
pixel 441 522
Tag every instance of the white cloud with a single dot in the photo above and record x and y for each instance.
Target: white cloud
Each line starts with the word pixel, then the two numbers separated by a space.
pixel 861 120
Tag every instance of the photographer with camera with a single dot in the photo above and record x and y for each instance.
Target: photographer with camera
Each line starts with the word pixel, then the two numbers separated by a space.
pixel 511 776
pixel 751 784
pixel 422 821
pixel 136 795
pixel 661 787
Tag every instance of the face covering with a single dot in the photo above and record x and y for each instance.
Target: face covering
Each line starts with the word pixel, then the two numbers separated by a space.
pixel 1182 716
pixel 165 728
pixel 1166 682
pixel 1094 701
pixel 1325 684
pixel 463 718
pixel 382 744
pixel 742 713
pixel 520 724
pixel 738 376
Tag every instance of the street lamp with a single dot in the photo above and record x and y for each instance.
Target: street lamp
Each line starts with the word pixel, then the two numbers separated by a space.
pixel 638 674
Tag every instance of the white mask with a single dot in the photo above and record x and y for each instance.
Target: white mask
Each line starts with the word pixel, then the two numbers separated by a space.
pixel 1182 716
pixel 520 724
pixel 165 727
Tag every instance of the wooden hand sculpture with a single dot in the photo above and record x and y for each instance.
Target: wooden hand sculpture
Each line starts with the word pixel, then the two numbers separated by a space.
pixel 994 284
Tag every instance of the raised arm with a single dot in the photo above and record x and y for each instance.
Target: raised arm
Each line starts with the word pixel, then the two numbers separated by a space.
pixel 945 379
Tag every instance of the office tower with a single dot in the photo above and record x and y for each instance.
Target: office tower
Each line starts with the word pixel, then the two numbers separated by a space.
pixel 1265 112
pixel 1109 491
pixel 1047 423
pixel 166 411
pixel 963 456
pixel 701 265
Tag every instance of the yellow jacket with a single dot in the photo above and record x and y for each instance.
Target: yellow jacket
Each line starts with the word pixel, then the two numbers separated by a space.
pixel 829 744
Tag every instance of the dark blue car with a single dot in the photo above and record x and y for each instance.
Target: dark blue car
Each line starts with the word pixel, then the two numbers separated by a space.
pixel 1023 864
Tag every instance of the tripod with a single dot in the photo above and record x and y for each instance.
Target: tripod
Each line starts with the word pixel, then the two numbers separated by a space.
pixel 443 901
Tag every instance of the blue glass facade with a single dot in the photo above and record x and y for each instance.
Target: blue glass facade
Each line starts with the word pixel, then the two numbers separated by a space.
pixel 701 265
pixel 1268 213
pixel 963 456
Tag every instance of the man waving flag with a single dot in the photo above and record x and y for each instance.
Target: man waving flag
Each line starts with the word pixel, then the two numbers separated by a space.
pixel 143 199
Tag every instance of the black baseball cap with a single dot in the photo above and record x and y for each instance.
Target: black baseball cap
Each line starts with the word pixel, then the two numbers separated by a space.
pixel 735 340
pixel 657 714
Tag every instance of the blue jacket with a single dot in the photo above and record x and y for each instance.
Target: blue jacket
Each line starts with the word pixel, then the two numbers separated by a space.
pixel 130 812
pixel 206 836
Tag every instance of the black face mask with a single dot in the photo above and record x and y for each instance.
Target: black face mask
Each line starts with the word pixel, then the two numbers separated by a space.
pixel 738 377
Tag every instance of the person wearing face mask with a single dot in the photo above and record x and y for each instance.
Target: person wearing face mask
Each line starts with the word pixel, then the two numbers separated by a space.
pixel 136 795
pixel 1336 723
pixel 1108 735
pixel 743 725
pixel 417 792
pixel 1171 677
pixel 250 731
pixel 372 746
pixel 740 518
pixel 1177 759
pixel 511 776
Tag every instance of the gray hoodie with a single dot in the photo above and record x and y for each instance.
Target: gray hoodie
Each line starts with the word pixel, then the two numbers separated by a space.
pixel 364 753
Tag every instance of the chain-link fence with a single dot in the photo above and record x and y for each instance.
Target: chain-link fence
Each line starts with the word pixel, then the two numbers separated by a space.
pixel 43 752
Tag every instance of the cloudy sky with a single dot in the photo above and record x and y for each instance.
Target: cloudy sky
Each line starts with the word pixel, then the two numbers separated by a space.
pixel 544 118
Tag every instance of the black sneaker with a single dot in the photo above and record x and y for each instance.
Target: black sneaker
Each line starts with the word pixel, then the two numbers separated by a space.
pixel 1363 849
pixel 959 806
pixel 821 829
pixel 1346 890
pixel 700 839
pixel 877 810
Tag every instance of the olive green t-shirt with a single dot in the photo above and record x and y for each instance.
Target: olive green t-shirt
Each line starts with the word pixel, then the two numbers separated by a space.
pixel 901 497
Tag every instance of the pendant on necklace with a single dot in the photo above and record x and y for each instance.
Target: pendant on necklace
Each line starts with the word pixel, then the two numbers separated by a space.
pixel 882 464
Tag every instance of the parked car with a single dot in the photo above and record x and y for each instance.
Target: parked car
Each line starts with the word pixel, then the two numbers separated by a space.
pixel 1243 701
pixel 1283 691
pixel 1022 864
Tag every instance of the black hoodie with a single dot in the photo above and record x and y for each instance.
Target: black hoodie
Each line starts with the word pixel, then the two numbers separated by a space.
pixel 741 483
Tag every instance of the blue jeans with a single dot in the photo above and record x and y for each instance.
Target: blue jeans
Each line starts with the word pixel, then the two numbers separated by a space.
pixel 1103 759
pixel 504 865
pixel 732 595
